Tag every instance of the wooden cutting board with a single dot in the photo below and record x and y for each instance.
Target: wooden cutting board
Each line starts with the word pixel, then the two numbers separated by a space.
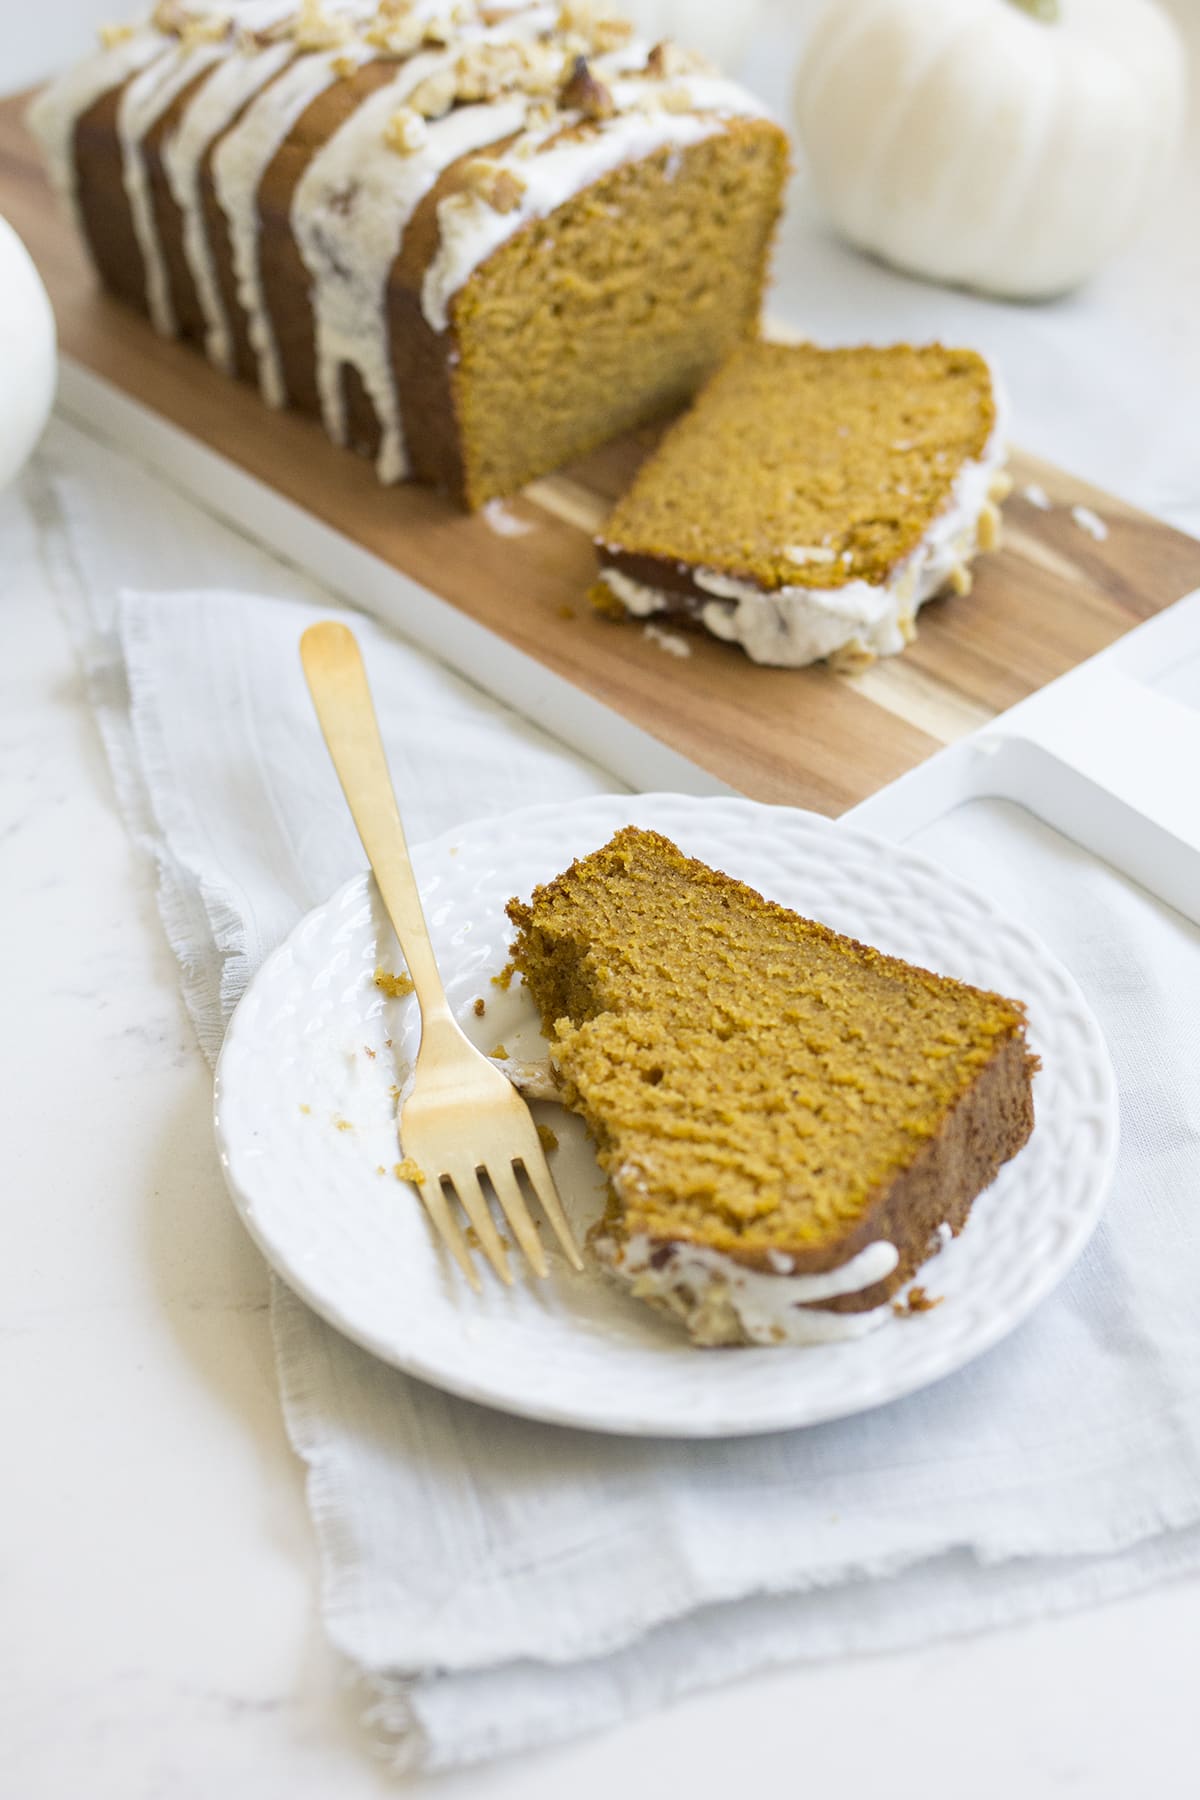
pixel 1051 598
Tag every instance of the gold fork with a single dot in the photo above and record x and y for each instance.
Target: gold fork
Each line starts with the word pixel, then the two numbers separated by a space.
pixel 463 1117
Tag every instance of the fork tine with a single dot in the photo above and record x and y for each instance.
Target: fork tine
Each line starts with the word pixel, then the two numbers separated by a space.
pixel 465 1183
pixel 512 1201
pixel 448 1228
pixel 542 1183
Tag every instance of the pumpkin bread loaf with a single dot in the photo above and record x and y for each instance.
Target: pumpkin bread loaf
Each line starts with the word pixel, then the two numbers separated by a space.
pixel 475 239
pixel 790 1122
pixel 811 500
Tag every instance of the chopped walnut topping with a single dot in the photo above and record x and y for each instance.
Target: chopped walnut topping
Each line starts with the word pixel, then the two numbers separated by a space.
pixel 583 93
pixel 610 33
pixel 487 70
pixel 396 36
pixel 497 187
pixel 316 30
pixel 435 95
pixel 112 35
pixel 852 658
pixel 207 30
pixel 538 115
pixel 667 62
pixel 169 17
pixel 405 132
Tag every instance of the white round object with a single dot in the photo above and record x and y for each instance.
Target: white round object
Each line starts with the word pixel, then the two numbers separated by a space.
pixel 972 142
pixel 305 1118
pixel 27 354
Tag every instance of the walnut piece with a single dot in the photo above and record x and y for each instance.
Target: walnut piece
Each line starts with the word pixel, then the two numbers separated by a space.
pixel 169 17
pixel 581 92
pixel 667 62
pixel 396 36
pixel 434 96
pixel 317 30
pixel 406 131
pixel 209 29
pixel 496 186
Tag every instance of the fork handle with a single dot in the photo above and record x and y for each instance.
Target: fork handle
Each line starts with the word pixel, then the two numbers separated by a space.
pixel 337 681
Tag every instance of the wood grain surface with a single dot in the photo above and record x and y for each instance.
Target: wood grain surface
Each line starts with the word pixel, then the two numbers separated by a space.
pixel 1053 595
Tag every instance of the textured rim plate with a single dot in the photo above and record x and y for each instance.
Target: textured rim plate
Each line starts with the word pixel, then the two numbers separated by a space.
pixel 305 1118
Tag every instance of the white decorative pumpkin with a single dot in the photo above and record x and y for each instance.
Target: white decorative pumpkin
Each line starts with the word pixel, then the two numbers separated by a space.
pixel 1007 145
pixel 27 359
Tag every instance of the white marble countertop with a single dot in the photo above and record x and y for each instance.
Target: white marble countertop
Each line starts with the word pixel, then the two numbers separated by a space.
pixel 160 1638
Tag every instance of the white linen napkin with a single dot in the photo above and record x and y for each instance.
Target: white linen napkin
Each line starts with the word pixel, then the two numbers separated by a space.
pixel 502 1583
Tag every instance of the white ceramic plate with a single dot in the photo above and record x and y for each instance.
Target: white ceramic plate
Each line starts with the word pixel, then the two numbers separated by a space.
pixel 305 1114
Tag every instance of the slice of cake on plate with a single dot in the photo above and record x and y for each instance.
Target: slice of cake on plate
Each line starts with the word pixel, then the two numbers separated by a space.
pixel 811 500
pixel 790 1122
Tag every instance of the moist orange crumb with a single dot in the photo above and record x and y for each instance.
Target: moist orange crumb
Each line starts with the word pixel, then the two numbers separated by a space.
pixel 479 1007
pixel 504 979
pixel 396 987
pixel 500 1053
pixel 916 1301
pixel 547 1139
pixel 843 460
pixel 408 1170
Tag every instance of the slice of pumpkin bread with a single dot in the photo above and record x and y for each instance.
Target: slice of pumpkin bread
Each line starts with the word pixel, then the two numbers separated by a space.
pixel 788 1119
pixel 811 500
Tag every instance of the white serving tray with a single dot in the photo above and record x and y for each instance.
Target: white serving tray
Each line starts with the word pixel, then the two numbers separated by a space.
pixel 1109 755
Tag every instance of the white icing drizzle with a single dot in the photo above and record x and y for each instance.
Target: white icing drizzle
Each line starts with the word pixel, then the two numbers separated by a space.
pixel 210 113
pixel 768 1308
pixel 792 626
pixel 470 230
pixel 238 166
pixel 349 214
pixel 57 110
pixel 144 100
pixel 357 195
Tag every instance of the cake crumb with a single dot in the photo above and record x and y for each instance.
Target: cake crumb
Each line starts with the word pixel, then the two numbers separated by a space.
pixel 304 1108
pixel 916 1301
pixel 379 1169
pixel 547 1139
pixel 500 1053
pixel 340 1124
pixel 504 979
pixel 479 1006
pixel 1090 522
pixel 670 641
pixel 408 1170
pixel 394 986
pixel 367 1051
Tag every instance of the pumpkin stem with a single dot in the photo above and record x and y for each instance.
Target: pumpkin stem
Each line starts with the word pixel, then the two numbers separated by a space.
pixel 1048 11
